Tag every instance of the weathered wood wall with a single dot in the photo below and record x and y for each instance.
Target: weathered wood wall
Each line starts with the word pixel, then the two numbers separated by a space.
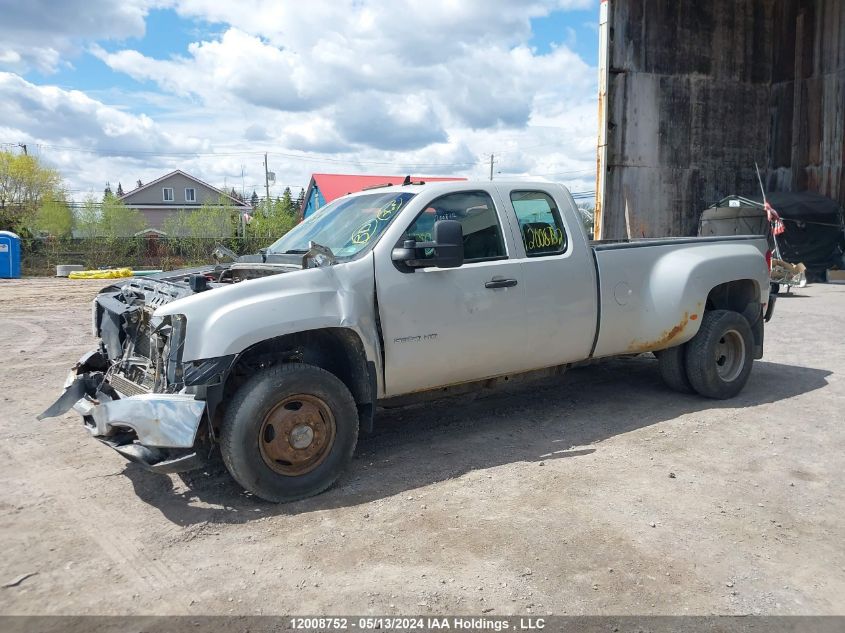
pixel 699 91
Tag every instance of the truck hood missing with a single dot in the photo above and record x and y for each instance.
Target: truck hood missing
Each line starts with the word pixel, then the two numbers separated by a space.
pixel 124 314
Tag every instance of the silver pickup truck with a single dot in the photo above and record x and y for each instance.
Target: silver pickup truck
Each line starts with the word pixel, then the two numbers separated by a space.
pixel 391 295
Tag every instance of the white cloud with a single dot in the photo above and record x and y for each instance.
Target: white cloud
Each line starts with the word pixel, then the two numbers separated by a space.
pixel 236 67
pixel 388 77
pixel 57 122
pixel 69 117
pixel 371 86
pixel 439 27
pixel 36 33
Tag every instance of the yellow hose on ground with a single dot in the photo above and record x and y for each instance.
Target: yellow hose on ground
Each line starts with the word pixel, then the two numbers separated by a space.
pixel 111 273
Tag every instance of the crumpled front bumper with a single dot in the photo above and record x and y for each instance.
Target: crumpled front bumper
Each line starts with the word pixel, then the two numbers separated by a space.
pixel 157 430
pixel 158 419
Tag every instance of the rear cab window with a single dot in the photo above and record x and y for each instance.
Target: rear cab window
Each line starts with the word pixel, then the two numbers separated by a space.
pixel 540 224
pixel 483 239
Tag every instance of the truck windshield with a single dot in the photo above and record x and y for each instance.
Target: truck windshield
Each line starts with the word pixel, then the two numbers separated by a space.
pixel 347 226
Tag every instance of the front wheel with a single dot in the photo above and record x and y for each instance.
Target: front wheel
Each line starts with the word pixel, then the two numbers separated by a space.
pixel 719 357
pixel 289 432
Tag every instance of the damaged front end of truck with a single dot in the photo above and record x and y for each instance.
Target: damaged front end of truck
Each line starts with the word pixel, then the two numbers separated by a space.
pixel 134 392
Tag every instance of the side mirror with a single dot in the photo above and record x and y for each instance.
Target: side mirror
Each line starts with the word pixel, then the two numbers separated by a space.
pixel 448 245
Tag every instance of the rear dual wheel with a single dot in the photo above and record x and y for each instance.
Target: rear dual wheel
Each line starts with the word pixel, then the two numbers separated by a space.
pixel 673 371
pixel 717 362
pixel 720 356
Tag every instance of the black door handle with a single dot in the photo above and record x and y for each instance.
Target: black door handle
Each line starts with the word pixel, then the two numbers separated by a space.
pixel 501 283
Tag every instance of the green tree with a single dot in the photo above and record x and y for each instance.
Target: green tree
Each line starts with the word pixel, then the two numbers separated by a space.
pixel 194 233
pixel 24 184
pixel 110 219
pixel 117 220
pixel 272 223
pixel 55 218
pixel 119 192
pixel 176 224
pixel 210 220
pixel 109 227
pixel 288 205
pixel 87 219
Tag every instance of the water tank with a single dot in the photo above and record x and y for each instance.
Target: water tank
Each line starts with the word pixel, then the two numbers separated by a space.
pixel 10 255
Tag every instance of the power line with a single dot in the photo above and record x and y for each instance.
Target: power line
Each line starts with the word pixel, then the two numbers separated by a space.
pixel 291 155
pixel 371 162
pixel 561 173
pixel 122 152
pixel 304 157
pixel 569 173
pixel 525 149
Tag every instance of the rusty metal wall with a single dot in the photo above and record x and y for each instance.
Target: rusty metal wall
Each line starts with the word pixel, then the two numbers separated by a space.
pixel 699 91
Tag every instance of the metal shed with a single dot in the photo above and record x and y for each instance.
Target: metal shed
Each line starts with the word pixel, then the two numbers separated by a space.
pixel 693 93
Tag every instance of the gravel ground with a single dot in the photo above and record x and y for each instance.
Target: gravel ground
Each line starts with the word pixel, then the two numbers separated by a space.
pixel 599 492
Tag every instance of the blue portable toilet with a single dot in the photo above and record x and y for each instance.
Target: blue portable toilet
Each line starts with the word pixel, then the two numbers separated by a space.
pixel 10 255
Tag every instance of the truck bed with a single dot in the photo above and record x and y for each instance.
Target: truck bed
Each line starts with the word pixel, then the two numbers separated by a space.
pixel 653 292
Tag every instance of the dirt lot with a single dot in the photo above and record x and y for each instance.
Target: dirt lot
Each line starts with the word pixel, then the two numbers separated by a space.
pixel 596 493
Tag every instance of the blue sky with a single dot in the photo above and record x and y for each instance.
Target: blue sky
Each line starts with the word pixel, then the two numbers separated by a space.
pixel 578 29
pixel 349 85
pixel 166 35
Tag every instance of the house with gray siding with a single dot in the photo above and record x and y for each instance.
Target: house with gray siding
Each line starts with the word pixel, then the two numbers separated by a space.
pixel 174 192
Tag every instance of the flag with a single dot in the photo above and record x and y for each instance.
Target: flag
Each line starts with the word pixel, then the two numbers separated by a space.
pixel 774 218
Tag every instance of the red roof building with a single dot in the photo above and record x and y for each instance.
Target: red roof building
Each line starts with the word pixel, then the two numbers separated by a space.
pixel 323 188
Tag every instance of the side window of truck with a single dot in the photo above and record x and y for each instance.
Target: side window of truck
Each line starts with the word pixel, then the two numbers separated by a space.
pixel 539 223
pixel 477 215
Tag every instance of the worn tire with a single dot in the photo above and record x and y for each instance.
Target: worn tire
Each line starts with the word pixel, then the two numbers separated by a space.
pixel 243 433
pixel 720 356
pixel 673 370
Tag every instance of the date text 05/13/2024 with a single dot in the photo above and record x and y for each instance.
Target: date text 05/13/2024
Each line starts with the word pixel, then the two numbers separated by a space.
pixel 410 623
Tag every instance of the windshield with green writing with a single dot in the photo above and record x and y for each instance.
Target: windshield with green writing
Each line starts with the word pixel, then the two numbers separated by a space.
pixel 347 226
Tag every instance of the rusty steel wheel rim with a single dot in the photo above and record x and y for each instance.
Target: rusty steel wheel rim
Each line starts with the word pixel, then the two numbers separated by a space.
pixel 296 435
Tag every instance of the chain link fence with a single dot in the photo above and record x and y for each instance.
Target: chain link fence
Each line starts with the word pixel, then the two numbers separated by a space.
pixel 40 256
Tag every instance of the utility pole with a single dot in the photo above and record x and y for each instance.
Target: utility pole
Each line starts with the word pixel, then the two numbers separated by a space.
pixel 266 181
pixel 491 166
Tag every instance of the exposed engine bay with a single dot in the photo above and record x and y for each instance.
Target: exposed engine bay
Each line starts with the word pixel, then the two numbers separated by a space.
pixel 144 352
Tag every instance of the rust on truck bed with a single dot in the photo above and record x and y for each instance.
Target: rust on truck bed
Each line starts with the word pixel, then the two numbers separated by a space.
pixel 665 337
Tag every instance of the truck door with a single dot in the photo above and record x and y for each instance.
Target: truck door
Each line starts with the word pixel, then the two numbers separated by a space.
pixel 561 304
pixel 452 325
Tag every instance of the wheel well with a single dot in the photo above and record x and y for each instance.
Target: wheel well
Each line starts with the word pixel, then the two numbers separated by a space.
pixel 734 295
pixel 337 350
pixel 743 296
